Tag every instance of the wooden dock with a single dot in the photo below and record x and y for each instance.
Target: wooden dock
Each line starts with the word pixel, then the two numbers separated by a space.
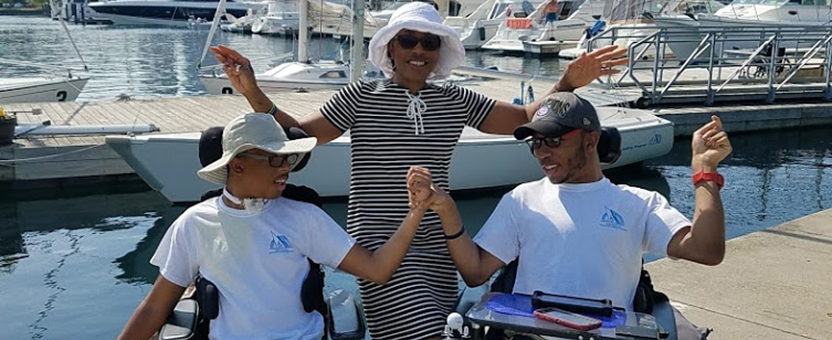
pixel 48 161
pixel 79 158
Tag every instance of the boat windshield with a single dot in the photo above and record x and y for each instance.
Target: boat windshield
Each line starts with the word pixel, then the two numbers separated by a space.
pixel 394 6
pixel 764 2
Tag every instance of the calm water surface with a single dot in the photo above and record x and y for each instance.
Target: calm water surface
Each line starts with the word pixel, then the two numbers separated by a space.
pixel 75 264
pixel 147 62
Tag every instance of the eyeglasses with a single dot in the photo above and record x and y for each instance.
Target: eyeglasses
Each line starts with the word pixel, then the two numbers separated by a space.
pixel 429 42
pixel 552 142
pixel 275 161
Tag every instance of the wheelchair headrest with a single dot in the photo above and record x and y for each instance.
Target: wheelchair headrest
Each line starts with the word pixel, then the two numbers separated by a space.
pixel 609 145
pixel 210 145
pixel 298 133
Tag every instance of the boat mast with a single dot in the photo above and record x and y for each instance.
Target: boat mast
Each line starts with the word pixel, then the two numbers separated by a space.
pixel 217 14
pixel 303 35
pixel 69 35
pixel 357 55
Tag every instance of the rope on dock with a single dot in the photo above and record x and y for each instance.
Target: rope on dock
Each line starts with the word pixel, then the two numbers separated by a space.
pixel 11 162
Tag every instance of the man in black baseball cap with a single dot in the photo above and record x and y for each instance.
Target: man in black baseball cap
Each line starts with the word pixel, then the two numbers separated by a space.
pixel 559 114
pixel 563 135
pixel 577 233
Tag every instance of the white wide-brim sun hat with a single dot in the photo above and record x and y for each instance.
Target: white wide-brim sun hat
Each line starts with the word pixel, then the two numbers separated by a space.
pixel 422 17
pixel 253 131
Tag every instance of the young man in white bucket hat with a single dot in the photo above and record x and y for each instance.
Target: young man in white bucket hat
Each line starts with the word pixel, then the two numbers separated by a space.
pixel 254 245
pixel 400 122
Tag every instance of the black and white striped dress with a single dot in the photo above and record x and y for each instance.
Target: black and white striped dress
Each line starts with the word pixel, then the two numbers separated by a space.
pixel 384 142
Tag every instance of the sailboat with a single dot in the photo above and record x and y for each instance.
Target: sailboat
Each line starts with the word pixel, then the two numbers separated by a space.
pixel 44 88
pixel 296 75
pixel 40 89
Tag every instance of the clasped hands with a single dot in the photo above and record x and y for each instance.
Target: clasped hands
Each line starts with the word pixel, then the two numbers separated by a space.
pixel 423 193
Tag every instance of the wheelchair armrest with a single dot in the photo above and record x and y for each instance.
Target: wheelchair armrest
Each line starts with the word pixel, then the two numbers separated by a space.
pixel 469 296
pixel 181 323
pixel 344 320
pixel 663 312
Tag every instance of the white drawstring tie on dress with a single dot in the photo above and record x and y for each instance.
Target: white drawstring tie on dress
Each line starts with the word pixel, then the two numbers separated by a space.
pixel 415 108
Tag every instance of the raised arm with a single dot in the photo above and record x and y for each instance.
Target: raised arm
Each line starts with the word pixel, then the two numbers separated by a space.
pixel 474 263
pixel 240 73
pixel 704 242
pixel 505 117
pixel 153 310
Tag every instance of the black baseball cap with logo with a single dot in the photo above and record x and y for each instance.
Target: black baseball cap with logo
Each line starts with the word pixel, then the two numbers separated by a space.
pixel 559 114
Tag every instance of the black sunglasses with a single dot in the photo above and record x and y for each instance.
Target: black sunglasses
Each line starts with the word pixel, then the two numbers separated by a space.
pixel 429 42
pixel 275 161
pixel 552 142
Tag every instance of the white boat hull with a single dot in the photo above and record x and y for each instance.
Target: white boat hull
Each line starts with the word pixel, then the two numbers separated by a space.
pixel 158 160
pixel 166 13
pixel 40 90
pixel 517 40
pixel 221 85
pixel 476 36
pixel 128 20
pixel 268 25
pixel 290 76
pixel 738 33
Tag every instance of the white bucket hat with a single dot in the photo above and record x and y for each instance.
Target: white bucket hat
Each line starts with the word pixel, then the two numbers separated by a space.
pixel 422 17
pixel 253 131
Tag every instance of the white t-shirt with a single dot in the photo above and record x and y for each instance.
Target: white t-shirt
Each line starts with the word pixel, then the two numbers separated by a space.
pixel 583 240
pixel 258 262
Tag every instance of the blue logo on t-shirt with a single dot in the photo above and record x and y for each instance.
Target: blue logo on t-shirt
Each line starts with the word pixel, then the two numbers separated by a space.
pixel 279 244
pixel 612 219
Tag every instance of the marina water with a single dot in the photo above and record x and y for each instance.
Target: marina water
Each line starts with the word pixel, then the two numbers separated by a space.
pixel 74 263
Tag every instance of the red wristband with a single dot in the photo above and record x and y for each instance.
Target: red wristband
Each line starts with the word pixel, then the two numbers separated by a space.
pixel 708 177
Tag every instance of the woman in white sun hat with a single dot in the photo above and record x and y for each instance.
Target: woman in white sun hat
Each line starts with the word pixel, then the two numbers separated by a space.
pixel 253 244
pixel 400 122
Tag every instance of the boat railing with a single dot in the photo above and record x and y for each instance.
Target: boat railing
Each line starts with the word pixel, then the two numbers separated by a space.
pixel 781 62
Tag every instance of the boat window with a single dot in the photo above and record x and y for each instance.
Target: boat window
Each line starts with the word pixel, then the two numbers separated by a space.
pixel 815 3
pixel 498 9
pixel 334 74
pixel 568 7
pixel 453 8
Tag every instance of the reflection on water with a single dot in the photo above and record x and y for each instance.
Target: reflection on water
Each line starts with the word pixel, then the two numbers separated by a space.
pixel 76 265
